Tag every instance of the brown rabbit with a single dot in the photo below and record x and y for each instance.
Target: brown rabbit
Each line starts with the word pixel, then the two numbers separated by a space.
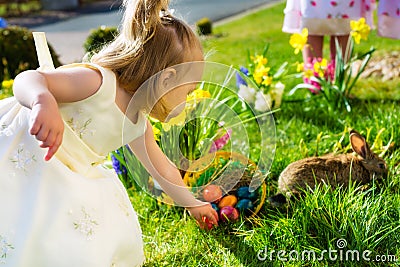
pixel 334 170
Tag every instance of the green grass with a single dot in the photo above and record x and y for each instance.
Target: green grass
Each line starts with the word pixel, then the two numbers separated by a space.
pixel 367 218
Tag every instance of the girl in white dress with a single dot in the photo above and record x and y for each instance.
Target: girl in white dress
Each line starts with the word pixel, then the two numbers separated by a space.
pixel 59 206
pixel 323 17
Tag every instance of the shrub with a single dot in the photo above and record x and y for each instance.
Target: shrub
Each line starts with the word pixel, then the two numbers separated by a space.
pixel 99 37
pixel 18 53
pixel 204 26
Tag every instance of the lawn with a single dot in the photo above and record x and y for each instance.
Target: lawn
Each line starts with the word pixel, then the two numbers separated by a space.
pixel 340 222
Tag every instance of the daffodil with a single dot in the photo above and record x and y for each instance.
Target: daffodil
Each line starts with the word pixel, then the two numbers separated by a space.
pixel 264 77
pixel 359 30
pixel 179 120
pixel 308 74
pixel 320 67
pixel 267 80
pixel 197 95
pixel 259 60
pixel 300 67
pixel 259 73
pixel 299 40
pixel 6 88
pixel 156 132
pixel 335 79
pixel 7 84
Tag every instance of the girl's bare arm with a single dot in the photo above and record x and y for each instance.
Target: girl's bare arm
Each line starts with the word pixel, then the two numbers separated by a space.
pixel 42 91
pixel 169 178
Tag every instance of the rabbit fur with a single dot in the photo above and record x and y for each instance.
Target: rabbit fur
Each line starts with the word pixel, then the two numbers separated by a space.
pixel 334 170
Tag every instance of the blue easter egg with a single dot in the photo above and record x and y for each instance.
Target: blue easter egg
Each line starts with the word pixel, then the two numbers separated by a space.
pixel 253 195
pixel 245 206
pixel 243 192
pixel 215 206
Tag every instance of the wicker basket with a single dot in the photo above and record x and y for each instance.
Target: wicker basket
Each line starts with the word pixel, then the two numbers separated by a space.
pixel 199 166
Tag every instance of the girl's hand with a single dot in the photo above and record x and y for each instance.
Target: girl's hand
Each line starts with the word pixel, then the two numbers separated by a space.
pixel 47 125
pixel 205 215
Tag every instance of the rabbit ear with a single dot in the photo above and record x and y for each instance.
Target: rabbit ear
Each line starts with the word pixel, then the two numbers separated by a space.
pixel 359 144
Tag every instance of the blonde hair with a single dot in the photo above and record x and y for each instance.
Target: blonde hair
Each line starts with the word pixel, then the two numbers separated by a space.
pixel 150 40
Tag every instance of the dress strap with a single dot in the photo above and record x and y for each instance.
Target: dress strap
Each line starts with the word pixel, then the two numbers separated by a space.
pixel 88 159
pixel 42 51
pixel 84 65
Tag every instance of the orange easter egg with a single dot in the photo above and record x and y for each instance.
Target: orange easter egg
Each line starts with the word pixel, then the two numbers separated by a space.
pixel 229 200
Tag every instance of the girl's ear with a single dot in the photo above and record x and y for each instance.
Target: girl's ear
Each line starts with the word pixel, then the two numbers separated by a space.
pixel 168 78
pixel 359 145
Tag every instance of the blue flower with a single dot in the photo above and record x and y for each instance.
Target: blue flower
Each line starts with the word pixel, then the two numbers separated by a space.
pixel 245 71
pixel 240 80
pixel 3 23
pixel 118 167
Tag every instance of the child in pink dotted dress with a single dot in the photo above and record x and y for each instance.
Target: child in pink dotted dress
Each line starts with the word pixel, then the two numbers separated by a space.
pixel 323 17
pixel 389 18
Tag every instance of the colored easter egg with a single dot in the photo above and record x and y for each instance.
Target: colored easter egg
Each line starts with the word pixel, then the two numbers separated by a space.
pixel 244 192
pixel 245 206
pixel 228 213
pixel 229 200
pixel 215 206
pixel 208 223
pixel 212 193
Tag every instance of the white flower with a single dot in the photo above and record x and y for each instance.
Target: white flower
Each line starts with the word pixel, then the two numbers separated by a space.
pixel 278 92
pixel 263 102
pixel 247 93
pixel 280 87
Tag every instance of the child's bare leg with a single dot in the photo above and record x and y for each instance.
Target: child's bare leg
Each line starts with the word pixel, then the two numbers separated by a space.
pixel 342 41
pixel 314 48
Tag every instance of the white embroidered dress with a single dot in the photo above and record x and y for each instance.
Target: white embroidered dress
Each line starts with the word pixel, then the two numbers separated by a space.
pixel 70 211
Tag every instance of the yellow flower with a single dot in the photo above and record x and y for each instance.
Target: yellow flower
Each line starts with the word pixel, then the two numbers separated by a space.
pixel 267 80
pixel 300 67
pixel 178 120
pixel 259 73
pixel 197 95
pixel 156 133
pixel 319 67
pixel 259 60
pixel 7 84
pixel 6 88
pixel 299 40
pixel 308 73
pixel 359 30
